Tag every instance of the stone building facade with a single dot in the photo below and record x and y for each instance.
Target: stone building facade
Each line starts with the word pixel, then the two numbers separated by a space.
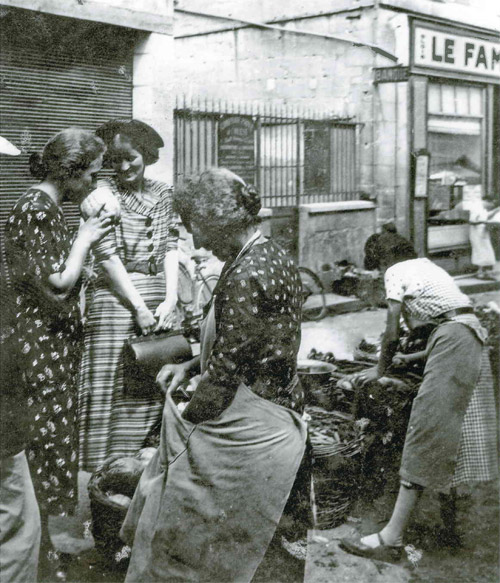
pixel 340 56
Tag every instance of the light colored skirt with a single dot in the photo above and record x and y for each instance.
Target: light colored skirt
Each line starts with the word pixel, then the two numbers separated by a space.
pixel 110 421
pixel 452 432
pixel 483 254
pixel 19 522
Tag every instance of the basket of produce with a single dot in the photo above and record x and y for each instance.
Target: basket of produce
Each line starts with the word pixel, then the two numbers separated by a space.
pixel 357 439
pixel 337 442
pixel 111 489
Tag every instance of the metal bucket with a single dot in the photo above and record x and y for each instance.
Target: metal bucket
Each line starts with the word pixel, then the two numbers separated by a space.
pixel 313 376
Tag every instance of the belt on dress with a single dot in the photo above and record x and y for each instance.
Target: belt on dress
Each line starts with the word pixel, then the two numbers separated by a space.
pixel 146 267
pixel 456 312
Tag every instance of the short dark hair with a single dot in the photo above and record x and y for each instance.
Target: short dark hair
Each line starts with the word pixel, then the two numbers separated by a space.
pixel 67 154
pixel 219 199
pixel 142 137
pixel 387 247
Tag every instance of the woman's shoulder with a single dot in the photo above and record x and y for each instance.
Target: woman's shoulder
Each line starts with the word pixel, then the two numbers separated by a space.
pixel 410 266
pixel 267 260
pixel 159 187
pixel 34 200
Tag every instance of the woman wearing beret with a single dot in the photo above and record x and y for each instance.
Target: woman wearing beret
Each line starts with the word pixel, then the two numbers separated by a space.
pixel 136 292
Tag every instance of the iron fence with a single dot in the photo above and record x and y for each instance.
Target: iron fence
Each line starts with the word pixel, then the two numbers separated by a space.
pixel 294 156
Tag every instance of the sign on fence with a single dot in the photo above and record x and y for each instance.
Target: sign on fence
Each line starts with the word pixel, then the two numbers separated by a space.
pixel 237 146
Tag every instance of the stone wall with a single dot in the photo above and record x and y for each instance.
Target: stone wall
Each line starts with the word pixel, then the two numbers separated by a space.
pixel 148 15
pixel 319 74
pixel 330 232
pixel 153 96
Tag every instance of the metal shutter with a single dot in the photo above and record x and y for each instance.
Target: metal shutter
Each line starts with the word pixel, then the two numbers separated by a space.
pixel 55 73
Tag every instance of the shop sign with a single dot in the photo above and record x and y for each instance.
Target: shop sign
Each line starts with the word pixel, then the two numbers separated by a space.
pixel 390 74
pixel 236 149
pixel 443 50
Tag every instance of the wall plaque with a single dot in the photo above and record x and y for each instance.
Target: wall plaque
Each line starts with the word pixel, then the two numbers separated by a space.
pixel 236 146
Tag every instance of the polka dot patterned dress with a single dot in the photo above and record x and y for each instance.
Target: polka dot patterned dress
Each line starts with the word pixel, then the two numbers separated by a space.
pixel 258 314
pixel 47 336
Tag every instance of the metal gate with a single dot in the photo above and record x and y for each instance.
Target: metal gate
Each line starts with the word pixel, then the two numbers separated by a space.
pixel 292 156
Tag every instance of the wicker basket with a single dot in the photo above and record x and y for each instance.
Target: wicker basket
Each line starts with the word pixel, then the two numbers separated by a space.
pixel 107 520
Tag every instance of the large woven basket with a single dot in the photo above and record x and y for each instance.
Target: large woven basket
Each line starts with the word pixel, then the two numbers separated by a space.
pixel 107 520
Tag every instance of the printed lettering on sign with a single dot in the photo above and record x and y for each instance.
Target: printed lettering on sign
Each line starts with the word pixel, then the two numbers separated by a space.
pixel 433 48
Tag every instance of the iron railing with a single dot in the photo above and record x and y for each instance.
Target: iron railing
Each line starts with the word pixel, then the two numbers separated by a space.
pixel 294 156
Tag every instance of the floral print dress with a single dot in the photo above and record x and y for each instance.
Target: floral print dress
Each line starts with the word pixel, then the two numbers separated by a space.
pixel 47 337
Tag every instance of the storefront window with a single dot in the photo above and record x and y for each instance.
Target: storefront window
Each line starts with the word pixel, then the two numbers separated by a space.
pixel 455 141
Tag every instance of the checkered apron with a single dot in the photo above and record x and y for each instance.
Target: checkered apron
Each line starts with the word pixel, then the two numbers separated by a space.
pixel 477 459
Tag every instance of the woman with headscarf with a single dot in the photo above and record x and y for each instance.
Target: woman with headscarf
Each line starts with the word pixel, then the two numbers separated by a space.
pixel 452 432
pixel 210 500
pixel 136 292
pixel 45 265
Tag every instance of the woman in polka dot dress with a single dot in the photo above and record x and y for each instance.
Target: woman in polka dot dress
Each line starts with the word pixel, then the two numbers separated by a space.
pixel 45 267
pixel 257 300
pixel 452 431
pixel 245 436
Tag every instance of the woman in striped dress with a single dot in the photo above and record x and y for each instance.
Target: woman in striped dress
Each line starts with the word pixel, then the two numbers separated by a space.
pixel 452 432
pixel 136 292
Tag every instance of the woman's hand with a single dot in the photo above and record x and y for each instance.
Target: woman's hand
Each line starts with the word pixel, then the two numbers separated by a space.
pixel 172 376
pixel 367 376
pixel 145 320
pixel 95 228
pixel 193 384
pixel 89 233
pixel 399 359
pixel 166 314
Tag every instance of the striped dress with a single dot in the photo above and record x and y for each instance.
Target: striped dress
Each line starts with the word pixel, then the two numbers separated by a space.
pixel 111 422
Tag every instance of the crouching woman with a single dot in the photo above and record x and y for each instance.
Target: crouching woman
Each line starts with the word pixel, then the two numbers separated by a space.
pixel 209 502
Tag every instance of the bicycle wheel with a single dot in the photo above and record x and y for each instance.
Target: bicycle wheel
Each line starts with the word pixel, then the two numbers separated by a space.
pixel 185 286
pixel 313 293
pixel 207 286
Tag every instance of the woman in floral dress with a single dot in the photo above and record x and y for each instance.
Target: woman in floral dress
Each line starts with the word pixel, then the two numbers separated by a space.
pixel 135 292
pixel 45 267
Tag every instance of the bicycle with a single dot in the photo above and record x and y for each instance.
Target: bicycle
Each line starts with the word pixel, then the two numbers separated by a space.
pixel 314 306
pixel 194 293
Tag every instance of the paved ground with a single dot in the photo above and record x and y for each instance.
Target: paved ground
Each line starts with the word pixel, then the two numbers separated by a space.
pixel 477 562
pixel 340 334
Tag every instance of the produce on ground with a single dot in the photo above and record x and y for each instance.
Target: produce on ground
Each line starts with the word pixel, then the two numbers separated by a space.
pixel 357 432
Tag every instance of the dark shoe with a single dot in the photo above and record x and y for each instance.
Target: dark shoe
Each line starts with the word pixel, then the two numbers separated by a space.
pixel 383 552
pixel 450 539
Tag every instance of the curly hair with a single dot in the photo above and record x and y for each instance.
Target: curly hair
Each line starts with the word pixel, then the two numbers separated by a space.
pixel 387 247
pixel 67 154
pixel 141 136
pixel 219 200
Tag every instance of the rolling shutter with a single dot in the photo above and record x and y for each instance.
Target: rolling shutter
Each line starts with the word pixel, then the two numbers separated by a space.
pixel 55 73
